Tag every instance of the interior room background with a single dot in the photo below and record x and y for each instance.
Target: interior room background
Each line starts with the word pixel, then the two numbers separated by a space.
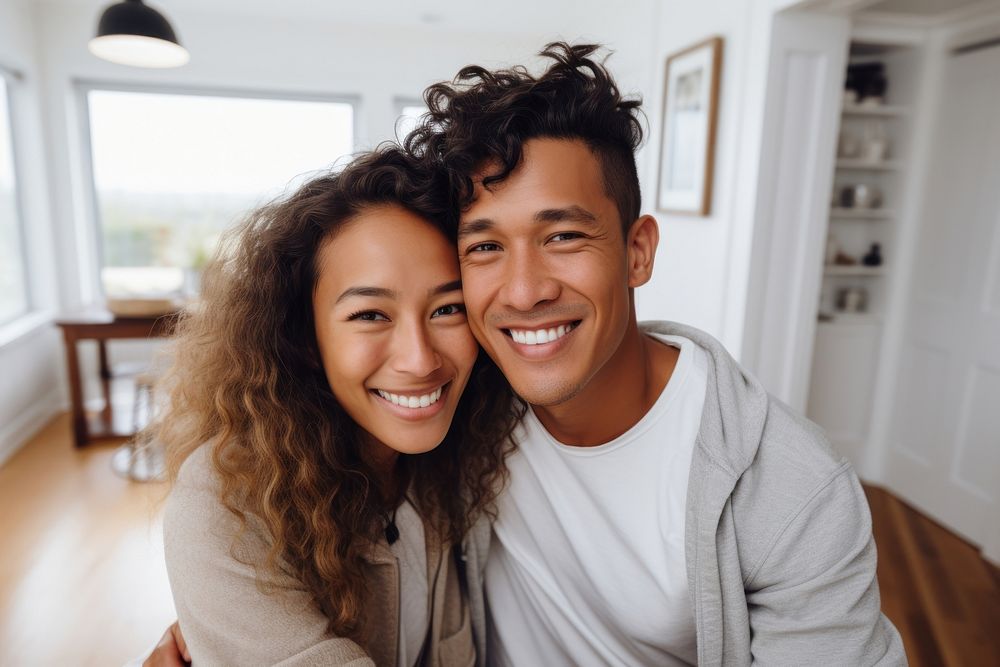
pixel 899 360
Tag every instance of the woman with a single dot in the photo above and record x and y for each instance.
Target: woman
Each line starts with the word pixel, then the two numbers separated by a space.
pixel 324 455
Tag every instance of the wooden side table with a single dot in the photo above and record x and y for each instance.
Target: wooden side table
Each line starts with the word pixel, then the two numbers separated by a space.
pixel 102 326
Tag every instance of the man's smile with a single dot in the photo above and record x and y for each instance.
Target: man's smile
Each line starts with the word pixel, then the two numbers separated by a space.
pixel 541 335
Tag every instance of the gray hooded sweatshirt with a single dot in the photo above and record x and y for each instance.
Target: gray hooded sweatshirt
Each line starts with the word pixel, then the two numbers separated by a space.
pixel 778 538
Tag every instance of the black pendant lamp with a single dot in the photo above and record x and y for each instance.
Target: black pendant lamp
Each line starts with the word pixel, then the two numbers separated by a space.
pixel 131 33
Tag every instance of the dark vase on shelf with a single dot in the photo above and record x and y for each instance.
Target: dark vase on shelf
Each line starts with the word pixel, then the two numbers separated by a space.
pixel 869 80
pixel 873 256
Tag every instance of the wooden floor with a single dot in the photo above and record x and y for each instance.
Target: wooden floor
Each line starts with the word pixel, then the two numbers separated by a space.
pixel 82 580
pixel 940 593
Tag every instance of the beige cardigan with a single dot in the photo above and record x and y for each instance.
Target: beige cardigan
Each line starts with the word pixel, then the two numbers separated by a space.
pixel 227 619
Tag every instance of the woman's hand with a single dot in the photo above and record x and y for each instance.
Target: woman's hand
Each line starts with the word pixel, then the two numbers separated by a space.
pixel 172 651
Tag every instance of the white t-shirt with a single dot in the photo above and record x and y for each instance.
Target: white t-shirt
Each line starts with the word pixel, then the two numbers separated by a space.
pixel 587 563
pixel 410 551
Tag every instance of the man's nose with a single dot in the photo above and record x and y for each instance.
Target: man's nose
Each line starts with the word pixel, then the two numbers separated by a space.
pixel 527 281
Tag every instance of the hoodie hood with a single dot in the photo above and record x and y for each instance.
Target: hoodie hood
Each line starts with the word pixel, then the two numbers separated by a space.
pixel 736 404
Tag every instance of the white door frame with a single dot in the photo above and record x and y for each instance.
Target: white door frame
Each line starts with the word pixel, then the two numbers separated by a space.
pixel 805 80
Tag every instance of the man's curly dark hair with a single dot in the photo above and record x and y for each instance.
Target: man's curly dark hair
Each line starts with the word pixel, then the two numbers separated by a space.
pixel 485 115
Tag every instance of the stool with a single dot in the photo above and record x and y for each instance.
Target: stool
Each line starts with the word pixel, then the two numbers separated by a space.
pixel 141 458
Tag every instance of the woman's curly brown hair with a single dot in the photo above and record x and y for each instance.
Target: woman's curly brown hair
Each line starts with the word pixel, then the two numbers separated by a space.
pixel 247 381
pixel 487 115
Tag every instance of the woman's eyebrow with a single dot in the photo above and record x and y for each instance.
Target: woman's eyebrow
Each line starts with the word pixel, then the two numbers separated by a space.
pixel 366 291
pixel 444 288
pixel 385 293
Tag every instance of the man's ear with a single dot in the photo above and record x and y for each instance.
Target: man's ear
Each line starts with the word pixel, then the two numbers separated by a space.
pixel 643 238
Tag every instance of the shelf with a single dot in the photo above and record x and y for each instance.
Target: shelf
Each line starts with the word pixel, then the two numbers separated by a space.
pixel 873 110
pixel 860 213
pixel 866 165
pixel 856 271
pixel 850 319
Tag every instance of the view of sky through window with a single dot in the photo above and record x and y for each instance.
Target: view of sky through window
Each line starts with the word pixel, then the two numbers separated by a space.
pixel 172 171
pixel 409 114
pixel 13 286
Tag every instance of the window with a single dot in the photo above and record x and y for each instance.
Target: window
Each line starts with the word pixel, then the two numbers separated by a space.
pixel 408 114
pixel 13 281
pixel 172 171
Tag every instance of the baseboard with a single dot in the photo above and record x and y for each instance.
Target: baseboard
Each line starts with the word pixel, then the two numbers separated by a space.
pixel 993 558
pixel 22 428
pixel 991 546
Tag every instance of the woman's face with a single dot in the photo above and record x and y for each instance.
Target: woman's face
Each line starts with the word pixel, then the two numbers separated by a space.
pixel 391 327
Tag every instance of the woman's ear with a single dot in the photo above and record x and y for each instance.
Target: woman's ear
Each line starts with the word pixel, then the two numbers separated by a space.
pixel 643 238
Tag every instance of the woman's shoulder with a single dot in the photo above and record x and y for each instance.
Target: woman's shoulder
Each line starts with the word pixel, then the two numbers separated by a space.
pixel 231 610
pixel 194 509
pixel 197 472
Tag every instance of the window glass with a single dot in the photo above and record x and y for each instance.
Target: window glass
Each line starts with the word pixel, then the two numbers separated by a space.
pixel 172 171
pixel 409 114
pixel 13 283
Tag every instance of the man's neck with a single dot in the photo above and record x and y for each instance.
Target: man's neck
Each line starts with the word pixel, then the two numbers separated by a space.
pixel 617 397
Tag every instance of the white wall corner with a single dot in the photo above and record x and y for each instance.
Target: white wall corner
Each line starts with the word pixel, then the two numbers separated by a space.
pixel 15 434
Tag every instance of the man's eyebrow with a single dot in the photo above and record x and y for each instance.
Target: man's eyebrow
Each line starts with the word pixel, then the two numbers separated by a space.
pixel 572 213
pixel 366 291
pixel 476 226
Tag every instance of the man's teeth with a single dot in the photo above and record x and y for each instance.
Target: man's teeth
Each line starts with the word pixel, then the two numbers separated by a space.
pixel 412 401
pixel 540 336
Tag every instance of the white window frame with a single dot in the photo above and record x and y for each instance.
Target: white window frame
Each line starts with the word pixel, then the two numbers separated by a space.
pixel 31 318
pixel 91 235
pixel 400 103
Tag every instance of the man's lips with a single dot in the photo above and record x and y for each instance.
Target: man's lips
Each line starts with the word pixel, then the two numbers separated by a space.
pixel 540 335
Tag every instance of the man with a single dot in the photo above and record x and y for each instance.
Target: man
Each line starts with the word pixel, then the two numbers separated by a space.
pixel 661 507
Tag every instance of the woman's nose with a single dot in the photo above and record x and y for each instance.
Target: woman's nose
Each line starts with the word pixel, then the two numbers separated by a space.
pixel 415 353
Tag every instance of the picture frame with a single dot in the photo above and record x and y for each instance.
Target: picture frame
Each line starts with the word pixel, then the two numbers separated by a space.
pixel 688 121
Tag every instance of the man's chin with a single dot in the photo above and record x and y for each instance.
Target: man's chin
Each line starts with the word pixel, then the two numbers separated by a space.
pixel 544 394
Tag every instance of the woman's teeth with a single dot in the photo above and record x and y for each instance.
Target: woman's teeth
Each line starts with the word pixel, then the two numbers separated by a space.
pixel 540 336
pixel 412 401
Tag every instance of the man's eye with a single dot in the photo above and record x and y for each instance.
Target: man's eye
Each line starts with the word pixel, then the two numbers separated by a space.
pixel 368 316
pixel 450 309
pixel 484 247
pixel 566 236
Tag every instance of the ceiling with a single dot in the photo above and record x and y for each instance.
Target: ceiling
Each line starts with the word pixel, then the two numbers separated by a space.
pixel 517 16
pixel 922 8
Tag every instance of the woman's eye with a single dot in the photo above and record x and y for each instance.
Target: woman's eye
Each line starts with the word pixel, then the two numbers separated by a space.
pixel 450 309
pixel 368 316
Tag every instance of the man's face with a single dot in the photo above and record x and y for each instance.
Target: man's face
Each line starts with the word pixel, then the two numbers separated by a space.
pixel 545 271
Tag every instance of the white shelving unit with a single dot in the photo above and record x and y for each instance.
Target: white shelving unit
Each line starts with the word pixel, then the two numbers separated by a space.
pixel 835 270
pixel 882 110
pixel 837 213
pixel 865 165
pixel 848 342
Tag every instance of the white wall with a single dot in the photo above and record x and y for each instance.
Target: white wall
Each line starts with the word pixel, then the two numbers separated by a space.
pixel 703 263
pixel 30 354
pixel 376 64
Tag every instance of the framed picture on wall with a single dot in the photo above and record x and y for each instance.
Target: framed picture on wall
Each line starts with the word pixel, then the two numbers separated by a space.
pixel 687 141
